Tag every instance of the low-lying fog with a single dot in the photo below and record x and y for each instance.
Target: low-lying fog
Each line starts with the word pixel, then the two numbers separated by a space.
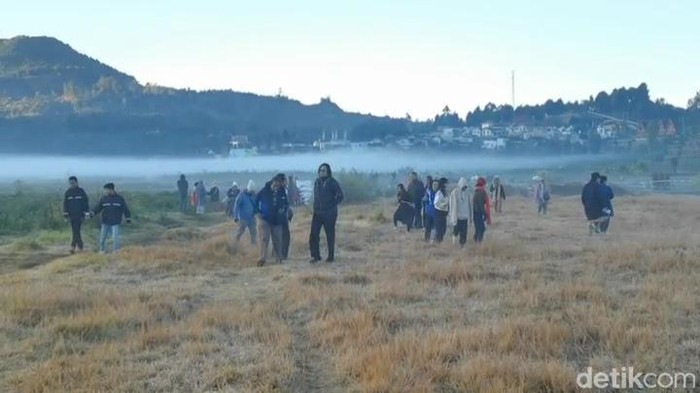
pixel 58 167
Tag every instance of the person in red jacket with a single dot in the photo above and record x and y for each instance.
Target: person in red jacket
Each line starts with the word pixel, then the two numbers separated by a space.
pixel 482 210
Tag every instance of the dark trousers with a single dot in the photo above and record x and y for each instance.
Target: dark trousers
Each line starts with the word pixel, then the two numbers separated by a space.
pixel 429 225
pixel 605 224
pixel 440 225
pixel 327 221
pixel 461 229
pixel 479 226
pixel 75 224
pixel 418 216
pixel 286 240
pixel 184 203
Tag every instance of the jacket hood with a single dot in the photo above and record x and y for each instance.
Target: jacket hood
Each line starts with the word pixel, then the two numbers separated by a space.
pixel 462 183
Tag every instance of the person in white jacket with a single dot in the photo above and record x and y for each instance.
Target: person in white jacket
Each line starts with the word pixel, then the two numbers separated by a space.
pixel 441 208
pixel 460 210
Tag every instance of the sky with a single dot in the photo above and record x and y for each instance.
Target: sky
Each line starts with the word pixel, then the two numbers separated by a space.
pixel 384 57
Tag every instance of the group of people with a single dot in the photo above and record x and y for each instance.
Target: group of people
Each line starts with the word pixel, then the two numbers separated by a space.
pixel 429 206
pixel 267 214
pixel 596 198
pixel 112 208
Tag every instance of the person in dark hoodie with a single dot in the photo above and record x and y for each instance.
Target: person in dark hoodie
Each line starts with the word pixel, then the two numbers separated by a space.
pixel 425 199
pixel 327 196
pixel 182 189
pixel 416 190
pixel 592 198
pixel 272 206
pixel 405 210
pixel 112 207
pixel 231 197
pixel 608 211
pixel 481 205
pixel 75 209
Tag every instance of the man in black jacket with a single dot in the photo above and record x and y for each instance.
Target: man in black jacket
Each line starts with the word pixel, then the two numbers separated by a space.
pixel 112 207
pixel 75 209
pixel 593 202
pixel 327 196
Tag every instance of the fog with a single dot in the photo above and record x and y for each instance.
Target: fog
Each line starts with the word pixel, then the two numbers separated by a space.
pixel 13 167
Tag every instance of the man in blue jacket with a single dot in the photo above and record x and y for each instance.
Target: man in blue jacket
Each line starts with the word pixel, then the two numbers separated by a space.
pixel 327 196
pixel 112 206
pixel 75 209
pixel 244 212
pixel 272 207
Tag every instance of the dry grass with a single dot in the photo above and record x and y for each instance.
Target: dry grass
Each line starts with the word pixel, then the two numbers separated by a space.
pixel 538 302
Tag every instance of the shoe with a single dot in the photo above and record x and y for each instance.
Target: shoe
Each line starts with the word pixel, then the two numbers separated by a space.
pixel 261 262
pixel 314 260
pixel 329 260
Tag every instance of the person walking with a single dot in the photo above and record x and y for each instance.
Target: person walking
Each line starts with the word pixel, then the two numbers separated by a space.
pixel 416 190
pixel 429 210
pixel 608 211
pixel 441 209
pixel 498 194
pixel 593 200
pixel 200 197
pixel 244 213
pixel 460 211
pixel 424 200
pixel 75 209
pixel 541 195
pixel 231 197
pixel 482 210
pixel 272 208
pixel 182 189
pixel 405 211
pixel 112 207
pixel 327 196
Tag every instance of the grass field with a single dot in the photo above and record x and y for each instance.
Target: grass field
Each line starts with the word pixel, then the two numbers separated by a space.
pixel 183 309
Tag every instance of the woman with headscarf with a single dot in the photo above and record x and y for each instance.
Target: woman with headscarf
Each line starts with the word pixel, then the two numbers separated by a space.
pixel 405 210
pixel 442 206
pixel 482 210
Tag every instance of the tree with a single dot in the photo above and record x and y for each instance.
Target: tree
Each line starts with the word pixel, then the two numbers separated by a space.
pixel 694 103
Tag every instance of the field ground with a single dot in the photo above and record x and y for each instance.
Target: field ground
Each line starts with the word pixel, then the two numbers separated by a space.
pixel 183 309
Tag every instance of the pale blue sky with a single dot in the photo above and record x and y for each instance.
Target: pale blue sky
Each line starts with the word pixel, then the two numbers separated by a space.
pixel 384 57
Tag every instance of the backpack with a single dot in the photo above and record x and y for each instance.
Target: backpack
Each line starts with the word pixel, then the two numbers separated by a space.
pixel 546 196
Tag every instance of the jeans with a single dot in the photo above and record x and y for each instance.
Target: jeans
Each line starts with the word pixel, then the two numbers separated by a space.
pixel 77 240
pixel 479 226
pixel 270 232
pixel 440 225
pixel 461 229
pixel 250 225
pixel 105 231
pixel 327 221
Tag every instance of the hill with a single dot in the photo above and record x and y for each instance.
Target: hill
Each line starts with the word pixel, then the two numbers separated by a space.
pixel 51 93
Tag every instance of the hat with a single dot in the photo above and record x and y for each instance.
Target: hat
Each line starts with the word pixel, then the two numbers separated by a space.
pixel 235 184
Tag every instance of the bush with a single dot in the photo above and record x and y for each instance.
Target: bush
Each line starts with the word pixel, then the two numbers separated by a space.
pixel 358 187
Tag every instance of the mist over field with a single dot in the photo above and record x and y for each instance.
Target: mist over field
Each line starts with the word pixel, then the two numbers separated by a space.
pixel 57 167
